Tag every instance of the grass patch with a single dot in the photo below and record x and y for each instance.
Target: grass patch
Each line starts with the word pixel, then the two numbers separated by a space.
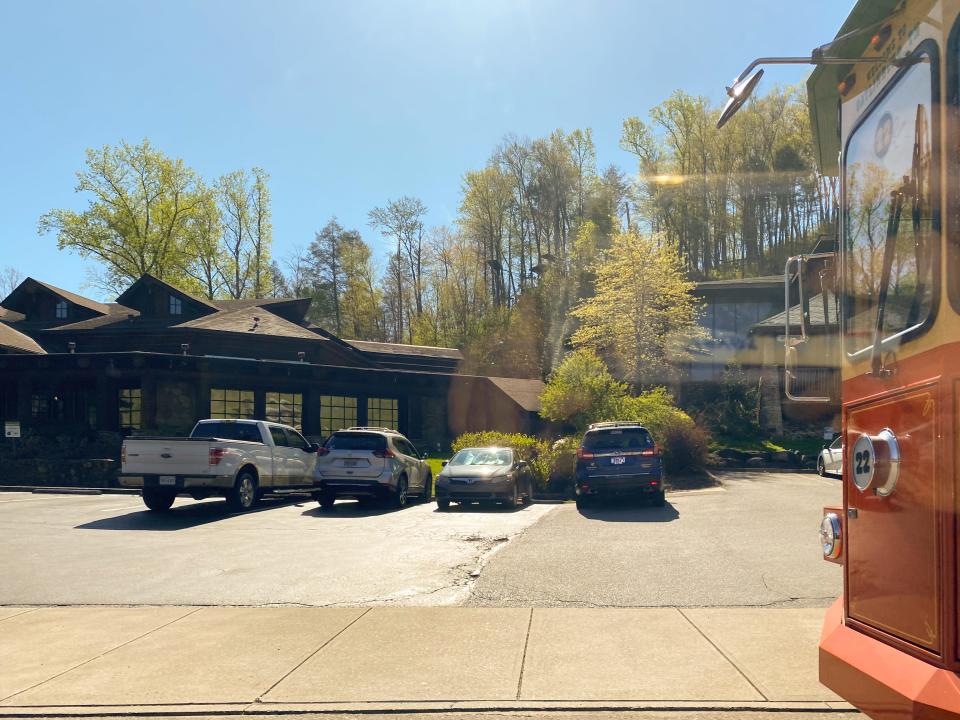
pixel 804 444
pixel 436 464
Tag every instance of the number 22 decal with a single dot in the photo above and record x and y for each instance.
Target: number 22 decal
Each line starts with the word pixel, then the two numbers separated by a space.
pixel 863 462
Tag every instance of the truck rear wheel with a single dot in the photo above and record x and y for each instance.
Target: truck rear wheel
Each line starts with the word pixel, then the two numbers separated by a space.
pixel 243 496
pixel 158 499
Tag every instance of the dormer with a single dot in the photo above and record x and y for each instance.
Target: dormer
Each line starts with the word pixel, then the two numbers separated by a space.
pixel 159 300
pixel 47 305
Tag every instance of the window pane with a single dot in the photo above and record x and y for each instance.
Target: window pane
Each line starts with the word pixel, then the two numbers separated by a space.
pixel 229 403
pixel 382 412
pixel 890 190
pixel 129 406
pixel 337 412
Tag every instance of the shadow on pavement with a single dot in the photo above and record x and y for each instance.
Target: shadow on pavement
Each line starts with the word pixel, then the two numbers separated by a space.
pixel 630 513
pixel 483 506
pixel 180 517
pixel 354 508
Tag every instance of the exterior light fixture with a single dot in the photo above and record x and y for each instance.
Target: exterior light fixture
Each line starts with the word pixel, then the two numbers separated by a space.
pixel 301 355
pixel 831 536
pixel 184 347
pixel 71 347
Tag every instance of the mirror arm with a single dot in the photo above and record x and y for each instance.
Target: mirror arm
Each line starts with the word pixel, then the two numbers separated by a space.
pixel 816 58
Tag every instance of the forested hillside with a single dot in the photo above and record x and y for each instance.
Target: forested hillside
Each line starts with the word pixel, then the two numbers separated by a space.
pixel 529 256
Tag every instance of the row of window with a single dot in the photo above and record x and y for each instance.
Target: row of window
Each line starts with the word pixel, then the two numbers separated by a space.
pixel 336 411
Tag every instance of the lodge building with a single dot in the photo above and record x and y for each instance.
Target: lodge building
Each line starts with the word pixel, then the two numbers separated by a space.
pixel 158 359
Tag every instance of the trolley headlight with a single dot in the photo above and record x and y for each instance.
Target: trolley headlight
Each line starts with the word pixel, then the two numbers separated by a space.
pixel 831 536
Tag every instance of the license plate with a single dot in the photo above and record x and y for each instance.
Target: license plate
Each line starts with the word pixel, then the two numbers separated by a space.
pixel 618 460
pixel 349 463
pixel 168 479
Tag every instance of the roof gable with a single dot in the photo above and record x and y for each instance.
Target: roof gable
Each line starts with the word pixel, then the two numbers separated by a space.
pixel 37 300
pixel 150 296
pixel 823 316
pixel 523 391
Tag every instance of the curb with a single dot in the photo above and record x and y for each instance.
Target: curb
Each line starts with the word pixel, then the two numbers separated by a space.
pixel 436 709
pixel 51 490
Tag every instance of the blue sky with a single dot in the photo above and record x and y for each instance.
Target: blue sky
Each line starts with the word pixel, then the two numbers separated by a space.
pixel 349 104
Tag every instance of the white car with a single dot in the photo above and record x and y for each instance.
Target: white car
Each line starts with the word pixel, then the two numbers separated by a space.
pixel 830 460
pixel 240 460
pixel 370 464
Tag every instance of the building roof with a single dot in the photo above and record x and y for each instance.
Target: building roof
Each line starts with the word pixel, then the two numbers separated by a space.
pixel 92 305
pixel 10 315
pixel 116 313
pixel 523 391
pixel 251 320
pixel 147 279
pixel 16 340
pixel 400 349
pixel 776 323
pixel 764 281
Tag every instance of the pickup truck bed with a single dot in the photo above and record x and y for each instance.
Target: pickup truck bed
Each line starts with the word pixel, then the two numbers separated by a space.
pixel 238 459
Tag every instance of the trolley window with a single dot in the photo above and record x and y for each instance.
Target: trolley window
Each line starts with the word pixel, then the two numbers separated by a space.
pixel 892 196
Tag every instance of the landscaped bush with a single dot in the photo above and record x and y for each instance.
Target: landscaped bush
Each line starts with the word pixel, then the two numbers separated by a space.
pixel 554 467
pixel 685 447
pixel 526 447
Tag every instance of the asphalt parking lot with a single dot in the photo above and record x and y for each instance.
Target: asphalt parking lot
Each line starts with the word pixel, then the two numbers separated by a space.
pixel 108 549
pixel 751 543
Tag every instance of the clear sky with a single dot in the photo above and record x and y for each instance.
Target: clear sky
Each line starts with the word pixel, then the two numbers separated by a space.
pixel 349 104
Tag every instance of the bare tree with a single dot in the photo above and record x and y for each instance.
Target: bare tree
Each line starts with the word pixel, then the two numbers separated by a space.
pixel 10 277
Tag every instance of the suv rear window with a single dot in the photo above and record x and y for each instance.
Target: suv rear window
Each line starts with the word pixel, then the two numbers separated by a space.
pixel 247 432
pixel 356 441
pixel 617 439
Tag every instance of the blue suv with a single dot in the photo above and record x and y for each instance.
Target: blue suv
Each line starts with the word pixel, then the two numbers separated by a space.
pixel 618 459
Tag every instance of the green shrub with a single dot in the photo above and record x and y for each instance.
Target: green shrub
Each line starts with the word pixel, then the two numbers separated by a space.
pixel 556 462
pixel 526 447
pixel 685 447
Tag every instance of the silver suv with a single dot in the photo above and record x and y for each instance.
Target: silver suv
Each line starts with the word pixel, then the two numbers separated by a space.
pixel 370 464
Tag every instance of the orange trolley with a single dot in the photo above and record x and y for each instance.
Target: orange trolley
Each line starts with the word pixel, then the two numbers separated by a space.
pixel 885 109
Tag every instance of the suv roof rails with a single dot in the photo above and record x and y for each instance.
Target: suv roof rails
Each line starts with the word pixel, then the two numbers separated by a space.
pixel 613 424
pixel 370 427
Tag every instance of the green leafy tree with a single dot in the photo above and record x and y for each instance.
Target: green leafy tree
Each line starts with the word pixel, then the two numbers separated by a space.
pixel 139 218
pixel 581 391
pixel 643 315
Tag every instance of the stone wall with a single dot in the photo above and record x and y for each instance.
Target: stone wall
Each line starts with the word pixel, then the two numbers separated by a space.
pixel 60 473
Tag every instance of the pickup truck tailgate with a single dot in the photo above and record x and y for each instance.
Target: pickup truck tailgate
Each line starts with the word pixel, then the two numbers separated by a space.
pixel 160 455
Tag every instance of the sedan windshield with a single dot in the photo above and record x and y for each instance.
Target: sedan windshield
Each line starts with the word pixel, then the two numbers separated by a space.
pixel 482 456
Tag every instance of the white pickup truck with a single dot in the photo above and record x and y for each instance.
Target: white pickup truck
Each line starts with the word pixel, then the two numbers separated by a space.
pixel 237 459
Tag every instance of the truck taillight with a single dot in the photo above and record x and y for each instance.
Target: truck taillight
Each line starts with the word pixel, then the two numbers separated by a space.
pixel 216 455
pixel 650 452
pixel 584 454
pixel 123 454
pixel 323 451
pixel 385 453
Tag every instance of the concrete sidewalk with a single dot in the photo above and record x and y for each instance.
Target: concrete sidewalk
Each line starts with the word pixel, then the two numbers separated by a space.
pixel 99 660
